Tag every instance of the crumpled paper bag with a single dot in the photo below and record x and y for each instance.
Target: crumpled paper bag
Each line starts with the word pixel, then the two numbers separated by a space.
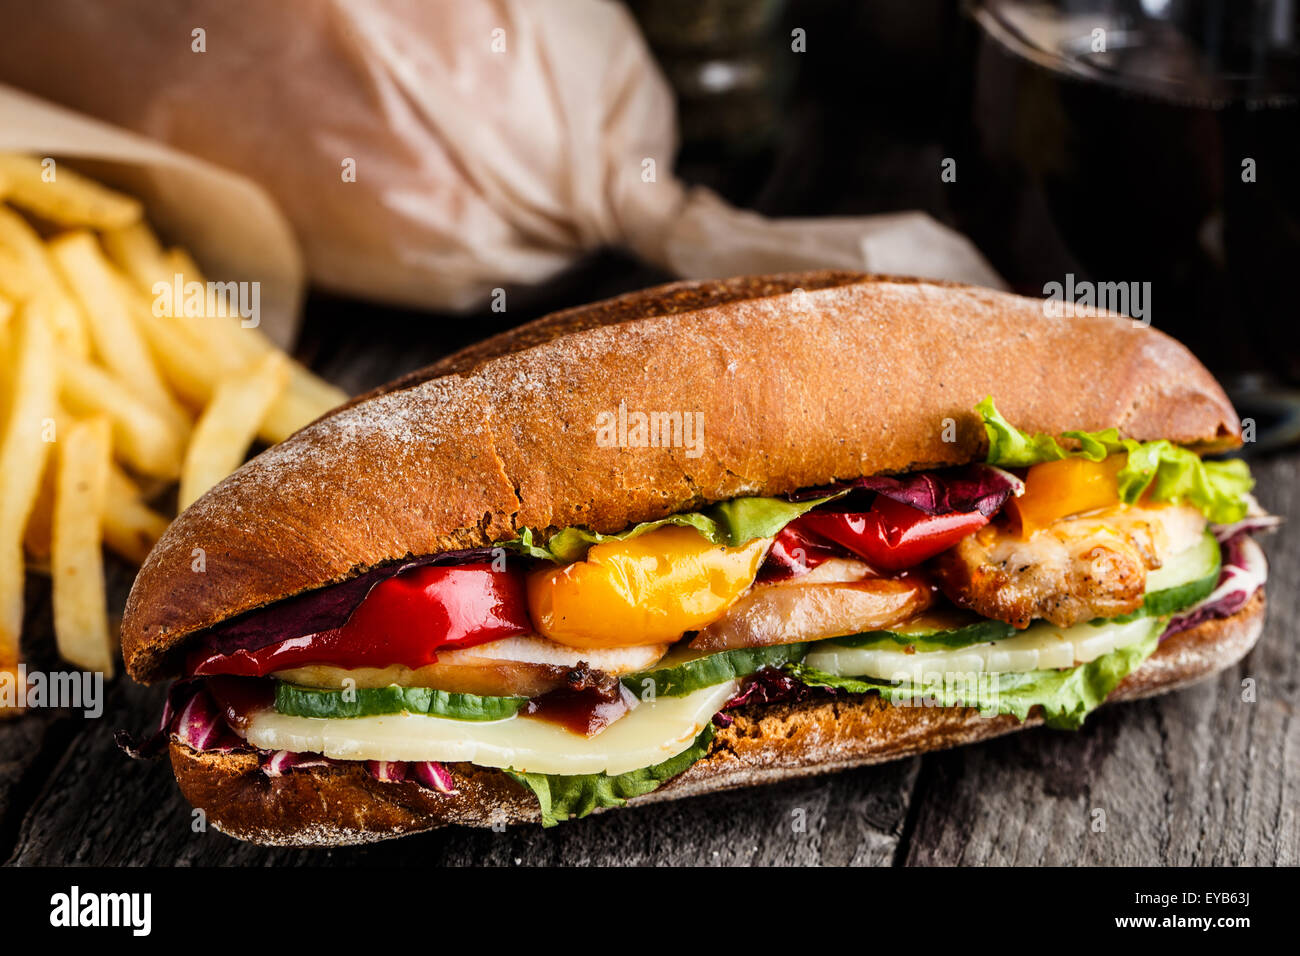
pixel 492 141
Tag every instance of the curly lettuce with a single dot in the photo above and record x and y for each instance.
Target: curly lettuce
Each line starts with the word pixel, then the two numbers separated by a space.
pixel 564 797
pixel 1161 469
pixel 731 523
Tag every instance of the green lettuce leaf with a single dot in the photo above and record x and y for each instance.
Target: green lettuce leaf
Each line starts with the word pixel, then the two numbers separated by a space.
pixel 563 797
pixel 1217 488
pixel 1066 696
pixel 731 523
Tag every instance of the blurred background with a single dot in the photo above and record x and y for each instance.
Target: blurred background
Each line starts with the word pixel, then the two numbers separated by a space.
pixel 1120 164
pixel 1116 140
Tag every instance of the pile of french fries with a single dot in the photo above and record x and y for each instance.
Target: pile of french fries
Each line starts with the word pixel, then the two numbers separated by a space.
pixel 105 404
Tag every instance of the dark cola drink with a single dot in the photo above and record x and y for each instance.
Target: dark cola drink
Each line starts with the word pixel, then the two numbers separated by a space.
pixel 1154 141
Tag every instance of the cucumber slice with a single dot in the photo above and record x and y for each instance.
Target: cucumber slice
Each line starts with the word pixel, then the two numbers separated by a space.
pixel 298 701
pixel 1041 647
pixel 1184 579
pixel 933 631
pixel 682 674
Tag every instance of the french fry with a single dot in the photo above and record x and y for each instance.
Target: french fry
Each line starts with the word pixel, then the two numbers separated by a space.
pixel 36 536
pixel 232 345
pixel 21 241
pixel 307 397
pixel 147 441
pixel 15 283
pixel 79 598
pixel 186 367
pixel 19 282
pixel 29 403
pixel 62 196
pixel 229 424
pixel 117 341
pixel 87 357
pixel 136 251
pixel 131 527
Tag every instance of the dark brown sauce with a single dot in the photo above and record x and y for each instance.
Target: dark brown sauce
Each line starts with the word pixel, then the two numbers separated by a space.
pixel 587 711
pixel 240 697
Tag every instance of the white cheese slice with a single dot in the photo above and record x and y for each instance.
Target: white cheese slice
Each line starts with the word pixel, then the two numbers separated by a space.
pixel 1039 647
pixel 650 734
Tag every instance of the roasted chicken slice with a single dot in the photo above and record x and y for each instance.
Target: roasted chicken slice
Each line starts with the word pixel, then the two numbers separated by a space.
pixel 837 598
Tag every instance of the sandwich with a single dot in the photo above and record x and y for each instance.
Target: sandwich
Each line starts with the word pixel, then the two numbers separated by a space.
pixel 705 536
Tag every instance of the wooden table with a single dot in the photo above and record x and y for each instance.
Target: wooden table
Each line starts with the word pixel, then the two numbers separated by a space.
pixel 1195 777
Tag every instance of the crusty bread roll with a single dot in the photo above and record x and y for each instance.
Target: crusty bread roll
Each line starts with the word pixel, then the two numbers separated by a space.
pixel 802 380
pixel 767 743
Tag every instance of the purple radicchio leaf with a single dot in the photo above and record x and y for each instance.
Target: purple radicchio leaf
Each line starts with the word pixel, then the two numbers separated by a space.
pixel 386 771
pixel 975 487
pixel 178 698
pixel 200 723
pixel 1251 524
pixel 320 610
pixel 1244 571
pixel 434 775
pixel 279 762
pixel 770 686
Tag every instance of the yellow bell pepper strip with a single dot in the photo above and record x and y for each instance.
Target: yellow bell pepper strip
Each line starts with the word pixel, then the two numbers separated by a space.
pixel 1068 486
pixel 646 590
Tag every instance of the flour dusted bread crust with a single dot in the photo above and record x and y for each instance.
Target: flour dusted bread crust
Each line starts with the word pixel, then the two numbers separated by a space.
pixel 800 380
pixel 767 743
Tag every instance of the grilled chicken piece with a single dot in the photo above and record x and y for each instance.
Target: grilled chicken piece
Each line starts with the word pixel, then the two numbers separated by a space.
pixel 1074 570
pixel 837 598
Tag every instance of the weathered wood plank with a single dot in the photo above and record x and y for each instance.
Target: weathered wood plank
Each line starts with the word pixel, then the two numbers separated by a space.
pixel 22 742
pixel 32 743
pixel 1197 777
pixel 102 808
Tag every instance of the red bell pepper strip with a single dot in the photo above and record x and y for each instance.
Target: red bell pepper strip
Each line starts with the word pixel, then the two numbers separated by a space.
pixel 795 552
pixel 890 536
pixel 403 620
